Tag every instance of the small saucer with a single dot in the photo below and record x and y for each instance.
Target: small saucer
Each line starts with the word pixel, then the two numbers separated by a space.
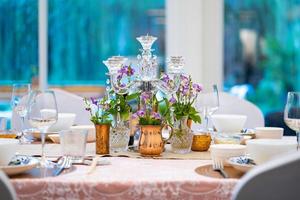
pixel 20 164
pixel 241 163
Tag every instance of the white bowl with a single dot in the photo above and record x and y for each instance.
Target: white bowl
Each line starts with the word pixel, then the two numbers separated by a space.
pixel 229 123
pixel 268 132
pixel 8 148
pixel 64 122
pixel 225 151
pixel 91 137
pixel 262 150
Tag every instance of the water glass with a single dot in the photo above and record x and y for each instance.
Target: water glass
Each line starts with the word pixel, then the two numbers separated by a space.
pixel 73 144
pixel 292 113
pixel 3 123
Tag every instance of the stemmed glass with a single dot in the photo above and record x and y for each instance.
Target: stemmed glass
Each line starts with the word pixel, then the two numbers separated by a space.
pixel 208 103
pixel 19 100
pixel 42 114
pixel 292 113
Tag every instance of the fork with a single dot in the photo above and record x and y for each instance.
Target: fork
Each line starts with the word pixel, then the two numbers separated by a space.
pixel 218 166
pixel 66 164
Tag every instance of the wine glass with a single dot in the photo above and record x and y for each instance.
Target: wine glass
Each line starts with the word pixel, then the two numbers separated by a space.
pixel 292 113
pixel 42 114
pixel 19 101
pixel 208 103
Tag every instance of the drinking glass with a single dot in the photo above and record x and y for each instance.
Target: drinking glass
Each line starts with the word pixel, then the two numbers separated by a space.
pixel 42 114
pixel 73 144
pixel 2 124
pixel 208 103
pixel 292 113
pixel 19 101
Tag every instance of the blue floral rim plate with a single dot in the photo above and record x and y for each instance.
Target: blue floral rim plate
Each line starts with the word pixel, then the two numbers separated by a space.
pixel 241 163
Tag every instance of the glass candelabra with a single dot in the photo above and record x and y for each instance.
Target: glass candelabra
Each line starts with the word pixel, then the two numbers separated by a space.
pixel 147 77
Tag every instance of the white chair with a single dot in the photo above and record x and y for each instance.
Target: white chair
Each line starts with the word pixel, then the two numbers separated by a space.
pixel 275 180
pixel 66 103
pixel 71 103
pixel 230 104
pixel 7 191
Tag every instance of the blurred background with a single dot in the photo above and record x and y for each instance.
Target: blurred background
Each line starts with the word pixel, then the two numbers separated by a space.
pixel 250 48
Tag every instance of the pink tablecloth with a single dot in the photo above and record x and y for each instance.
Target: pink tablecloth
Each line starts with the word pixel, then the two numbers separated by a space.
pixel 128 178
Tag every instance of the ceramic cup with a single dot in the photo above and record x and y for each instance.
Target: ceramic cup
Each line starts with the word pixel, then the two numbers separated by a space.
pixel 268 132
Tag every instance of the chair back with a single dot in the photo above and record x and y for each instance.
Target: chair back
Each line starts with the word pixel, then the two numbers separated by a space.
pixel 278 179
pixel 7 191
pixel 230 104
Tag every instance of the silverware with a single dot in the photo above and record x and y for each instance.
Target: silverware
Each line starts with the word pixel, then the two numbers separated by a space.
pixel 218 166
pixel 66 163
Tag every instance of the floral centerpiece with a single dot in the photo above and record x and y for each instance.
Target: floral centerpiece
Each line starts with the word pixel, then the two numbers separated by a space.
pixel 150 121
pixel 120 110
pixel 181 112
pixel 100 116
pixel 183 101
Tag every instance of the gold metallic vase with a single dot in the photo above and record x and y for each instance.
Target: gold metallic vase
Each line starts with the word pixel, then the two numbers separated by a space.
pixel 151 142
pixel 102 138
pixel 201 142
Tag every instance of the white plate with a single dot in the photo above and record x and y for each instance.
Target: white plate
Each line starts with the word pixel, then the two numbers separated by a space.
pixel 241 163
pixel 21 168
pixel 36 133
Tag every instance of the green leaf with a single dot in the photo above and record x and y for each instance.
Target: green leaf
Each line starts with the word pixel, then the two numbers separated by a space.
pixel 132 96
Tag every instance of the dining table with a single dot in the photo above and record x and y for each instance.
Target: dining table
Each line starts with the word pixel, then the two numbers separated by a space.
pixel 123 176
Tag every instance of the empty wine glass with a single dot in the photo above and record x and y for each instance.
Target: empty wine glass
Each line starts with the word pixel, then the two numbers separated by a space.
pixel 292 113
pixel 42 114
pixel 208 103
pixel 19 101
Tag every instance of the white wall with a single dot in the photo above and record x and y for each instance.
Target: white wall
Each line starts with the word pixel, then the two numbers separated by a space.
pixel 195 30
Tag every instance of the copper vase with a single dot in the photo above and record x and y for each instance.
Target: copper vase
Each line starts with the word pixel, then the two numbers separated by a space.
pixel 189 123
pixel 151 142
pixel 102 138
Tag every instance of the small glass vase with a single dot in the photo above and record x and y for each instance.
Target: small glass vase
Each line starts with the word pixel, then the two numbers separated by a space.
pixel 182 137
pixel 119 136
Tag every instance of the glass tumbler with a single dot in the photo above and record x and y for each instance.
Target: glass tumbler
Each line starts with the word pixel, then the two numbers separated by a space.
pixel 73 144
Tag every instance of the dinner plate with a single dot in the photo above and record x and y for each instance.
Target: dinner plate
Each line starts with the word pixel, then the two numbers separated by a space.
pixel 36 133
pixel 241 163
pixel 20 164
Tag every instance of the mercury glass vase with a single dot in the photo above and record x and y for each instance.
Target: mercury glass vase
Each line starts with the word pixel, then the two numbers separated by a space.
pixel 119 136
pixel 182 137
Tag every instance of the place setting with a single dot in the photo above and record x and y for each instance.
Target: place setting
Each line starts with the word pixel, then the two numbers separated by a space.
pixel 234 155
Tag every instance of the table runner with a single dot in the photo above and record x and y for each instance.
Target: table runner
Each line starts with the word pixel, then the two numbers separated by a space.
pixel 55 150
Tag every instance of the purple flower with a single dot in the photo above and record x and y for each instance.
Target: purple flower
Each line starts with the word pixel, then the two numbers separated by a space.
pixel 140 113
pixel 146 96
pixel 165 78
pixel 184 78
pixel 134 116
pixel 130 71
pixel 123 70
pixel 119 77
pixel 197 87
pixel 122 85
pixel 94 101
pixel 155 115
pixel 172 100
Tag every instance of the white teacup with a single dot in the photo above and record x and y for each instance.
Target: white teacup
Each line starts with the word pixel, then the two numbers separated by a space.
pixel 8 148
pixel 268 132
